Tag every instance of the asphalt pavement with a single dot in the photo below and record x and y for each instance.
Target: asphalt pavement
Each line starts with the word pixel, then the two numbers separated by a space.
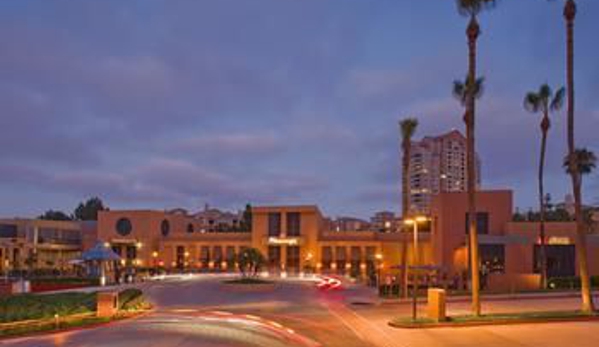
pixel 202 311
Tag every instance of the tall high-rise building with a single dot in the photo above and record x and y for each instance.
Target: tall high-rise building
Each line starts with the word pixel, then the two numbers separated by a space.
pixel 438 164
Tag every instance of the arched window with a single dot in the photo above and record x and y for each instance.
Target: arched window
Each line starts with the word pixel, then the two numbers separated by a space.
pixel 165 228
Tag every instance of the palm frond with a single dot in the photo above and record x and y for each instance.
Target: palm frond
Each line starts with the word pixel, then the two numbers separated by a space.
pixel 558 99
pixel 532 102
pixel 473 7
pixel 545 91
pixel 408 128
pixel 584 159
pixel 479 87
pixel 461 89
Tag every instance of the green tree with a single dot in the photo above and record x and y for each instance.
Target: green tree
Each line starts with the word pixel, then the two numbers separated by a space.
pixel 89 209
pixel 55 215
pixel 543 101
pixel 250 262
pixel 407 129
pixel 573 163
pixel 246 221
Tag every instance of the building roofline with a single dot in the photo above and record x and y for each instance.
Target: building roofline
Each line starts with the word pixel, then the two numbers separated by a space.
pixel 266 208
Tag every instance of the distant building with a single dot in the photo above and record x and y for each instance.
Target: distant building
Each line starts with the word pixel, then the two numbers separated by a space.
pixel 437 165
pixel 567 204
pixel 212 219
pixel 36 244
pixel 384 221
pixel 348 224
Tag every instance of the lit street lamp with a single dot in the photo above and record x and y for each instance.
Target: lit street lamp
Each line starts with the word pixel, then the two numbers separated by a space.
pixel 414 222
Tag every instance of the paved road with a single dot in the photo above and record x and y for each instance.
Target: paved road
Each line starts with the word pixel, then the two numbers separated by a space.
pixel 200 311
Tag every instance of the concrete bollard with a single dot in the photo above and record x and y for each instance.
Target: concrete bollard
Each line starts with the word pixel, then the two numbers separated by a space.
pixel 108 304
pixel 437 304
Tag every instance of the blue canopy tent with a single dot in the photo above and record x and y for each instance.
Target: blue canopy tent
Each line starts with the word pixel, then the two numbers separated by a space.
pixel 101 260
pixel 100 252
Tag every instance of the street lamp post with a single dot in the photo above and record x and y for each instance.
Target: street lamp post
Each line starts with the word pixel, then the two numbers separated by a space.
pixel 379 258
pixel 414 222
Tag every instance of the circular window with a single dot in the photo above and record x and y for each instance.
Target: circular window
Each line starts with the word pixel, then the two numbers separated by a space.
pixel 165 227
pixel 190 228
pixel 123 226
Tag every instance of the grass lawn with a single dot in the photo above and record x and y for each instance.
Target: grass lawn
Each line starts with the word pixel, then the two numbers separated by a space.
pixel 247 280
pixel 497 318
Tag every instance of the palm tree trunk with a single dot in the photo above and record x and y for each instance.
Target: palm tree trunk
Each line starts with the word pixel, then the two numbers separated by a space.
pixel 472 33
pixel 405 210
pixel 581 247
pixel 542 250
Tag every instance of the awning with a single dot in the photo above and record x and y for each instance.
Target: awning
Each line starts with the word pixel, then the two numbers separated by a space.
pixel 503 240
pixel 100 252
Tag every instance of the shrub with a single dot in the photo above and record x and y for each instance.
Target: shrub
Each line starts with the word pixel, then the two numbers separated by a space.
pixel 132 299
pixel 570 282
pixel 30 306
pixel 67 280
pixel 247 280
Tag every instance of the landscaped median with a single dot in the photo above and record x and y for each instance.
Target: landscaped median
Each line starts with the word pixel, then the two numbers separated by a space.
pixel 249 284
pixel 27 313
pixel 495 319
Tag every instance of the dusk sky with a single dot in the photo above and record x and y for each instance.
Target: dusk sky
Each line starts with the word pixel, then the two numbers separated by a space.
pixel 162 104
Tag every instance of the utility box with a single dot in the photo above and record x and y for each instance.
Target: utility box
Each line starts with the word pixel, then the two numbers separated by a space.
pixel 21 287
pixel 437 304
pixel 108 304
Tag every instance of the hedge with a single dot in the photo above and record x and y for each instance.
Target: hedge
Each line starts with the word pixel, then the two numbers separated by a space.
pixel 35 306
pixel 570 282
pixel 30 306
pixel 132 299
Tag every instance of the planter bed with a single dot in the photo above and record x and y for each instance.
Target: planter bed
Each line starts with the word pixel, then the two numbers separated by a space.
pixel 496 319
pixel 249 285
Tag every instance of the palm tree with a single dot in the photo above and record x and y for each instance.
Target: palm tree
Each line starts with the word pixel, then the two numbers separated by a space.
pixel 543 101
pixel 466 92
pixel 574 166
pixel 407 128
pixel 471 9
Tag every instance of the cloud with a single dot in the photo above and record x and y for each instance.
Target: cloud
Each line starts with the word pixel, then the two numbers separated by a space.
pixel 164 104
pixel 229 144
pixel 170 181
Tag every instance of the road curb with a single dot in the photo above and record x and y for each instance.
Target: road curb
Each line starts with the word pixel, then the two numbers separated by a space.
pixel 499 322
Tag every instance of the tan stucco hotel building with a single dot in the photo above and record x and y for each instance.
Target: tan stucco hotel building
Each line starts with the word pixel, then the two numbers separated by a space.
pixel 295 239
pixel 299 239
